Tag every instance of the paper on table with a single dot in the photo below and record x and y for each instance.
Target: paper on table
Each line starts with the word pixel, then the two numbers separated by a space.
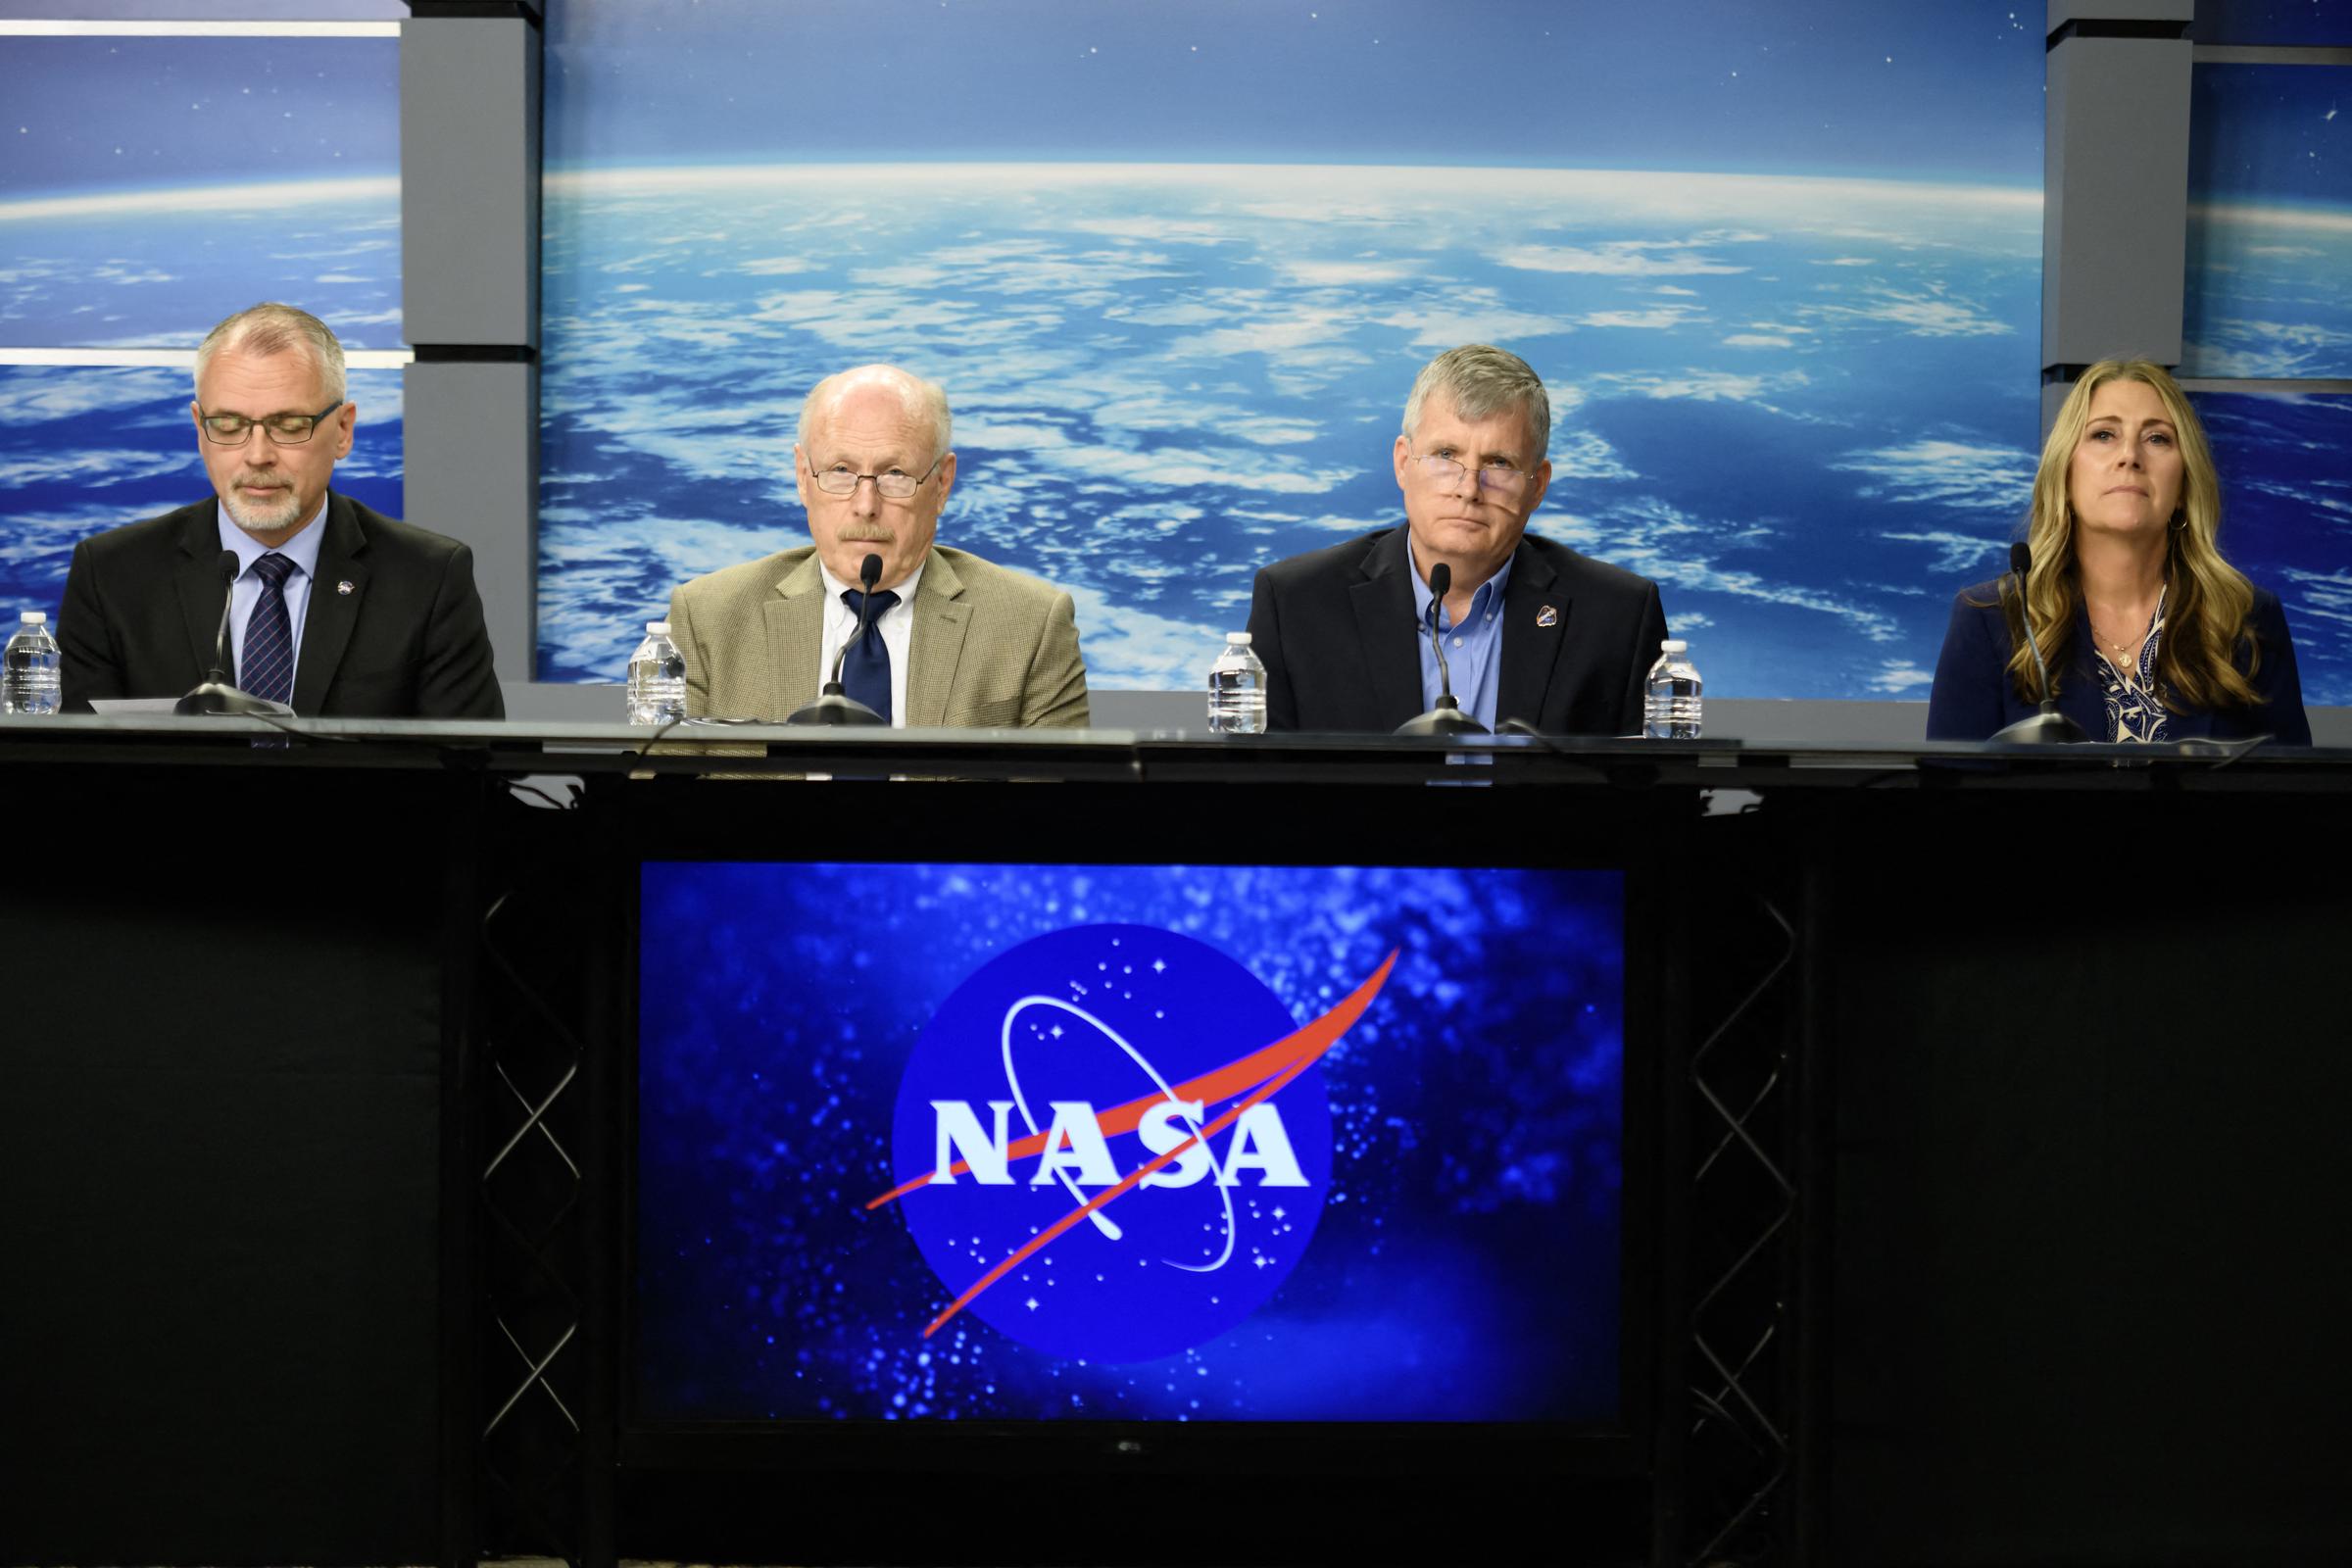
pixel 134 705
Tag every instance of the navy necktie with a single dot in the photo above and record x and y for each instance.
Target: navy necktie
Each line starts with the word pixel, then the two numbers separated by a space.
pixel 268 663
pixel 865 672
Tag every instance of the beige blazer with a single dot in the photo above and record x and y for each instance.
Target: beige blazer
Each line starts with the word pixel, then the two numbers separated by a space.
pixel 991 649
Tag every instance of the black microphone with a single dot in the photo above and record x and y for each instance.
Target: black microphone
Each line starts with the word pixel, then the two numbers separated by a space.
pixel 218 674
pixel 1441 578
pixel 214 693
pixel 870 572
pixel 1447 718
pixel 833 706
pixel 2048 726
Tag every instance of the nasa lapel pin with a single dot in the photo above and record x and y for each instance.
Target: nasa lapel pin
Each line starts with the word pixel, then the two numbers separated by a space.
pixel 1548 616
pixel 344 586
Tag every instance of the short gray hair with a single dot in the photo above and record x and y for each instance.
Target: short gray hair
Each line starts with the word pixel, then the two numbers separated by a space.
pixel 272 328
pixel 926 400
pixel 1482 381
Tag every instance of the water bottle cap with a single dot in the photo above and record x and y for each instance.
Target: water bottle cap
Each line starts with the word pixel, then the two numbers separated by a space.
pixel 657 628
pixel 1674 645
pixel 1239 637
pixel 35 617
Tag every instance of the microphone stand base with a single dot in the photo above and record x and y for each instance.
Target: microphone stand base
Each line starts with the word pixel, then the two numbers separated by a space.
pixel 832 707
pixel 1446 718
pixel 215 698
pixel 2049 727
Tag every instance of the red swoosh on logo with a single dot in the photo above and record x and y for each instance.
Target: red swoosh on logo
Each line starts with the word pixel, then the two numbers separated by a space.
pixel 1269 1069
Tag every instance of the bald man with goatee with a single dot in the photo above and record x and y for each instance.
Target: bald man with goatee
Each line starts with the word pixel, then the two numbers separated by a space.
pixel 952 640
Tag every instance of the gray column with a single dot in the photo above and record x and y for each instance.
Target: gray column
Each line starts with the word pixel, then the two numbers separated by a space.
pixel 470 92
pixel 469 181
pixel 2115 185
pixel 472 472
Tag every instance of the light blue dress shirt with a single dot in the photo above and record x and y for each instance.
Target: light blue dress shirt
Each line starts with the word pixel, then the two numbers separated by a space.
pixel 1472 648
pixel 246 591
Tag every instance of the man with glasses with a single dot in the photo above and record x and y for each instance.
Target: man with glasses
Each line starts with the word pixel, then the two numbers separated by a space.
pixel 336 608
pixel 952 640
pixel 1531 630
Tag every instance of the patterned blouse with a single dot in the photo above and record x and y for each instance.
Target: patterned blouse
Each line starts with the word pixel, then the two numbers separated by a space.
pixel 2134 702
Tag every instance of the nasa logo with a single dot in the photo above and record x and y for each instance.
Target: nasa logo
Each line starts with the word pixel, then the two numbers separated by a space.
pixel 1113 1143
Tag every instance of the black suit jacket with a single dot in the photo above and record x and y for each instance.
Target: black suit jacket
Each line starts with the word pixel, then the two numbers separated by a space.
pixel 143 603
pixel 1337 632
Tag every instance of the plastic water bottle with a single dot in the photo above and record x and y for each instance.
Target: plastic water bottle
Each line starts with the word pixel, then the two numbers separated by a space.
pixel 1237 689
pixel 656 678
pixel 1673 706
pixel 28 682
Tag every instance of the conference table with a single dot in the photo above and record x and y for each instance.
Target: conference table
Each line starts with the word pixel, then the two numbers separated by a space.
pixel 1997 1101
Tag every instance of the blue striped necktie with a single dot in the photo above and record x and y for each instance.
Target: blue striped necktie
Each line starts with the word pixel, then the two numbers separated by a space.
pixel 865 672
pixel 268 663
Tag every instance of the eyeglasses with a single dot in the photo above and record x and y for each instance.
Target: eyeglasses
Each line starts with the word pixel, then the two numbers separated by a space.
pixel 896 484
pixel 1500 478
pixel 285 429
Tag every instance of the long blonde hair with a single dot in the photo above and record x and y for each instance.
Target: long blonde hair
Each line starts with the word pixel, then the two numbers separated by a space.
pixel 2207 600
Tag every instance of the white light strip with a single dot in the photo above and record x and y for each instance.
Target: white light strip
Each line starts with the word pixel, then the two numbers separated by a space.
pixel 185 359
pixel 200 29
pixel 280 194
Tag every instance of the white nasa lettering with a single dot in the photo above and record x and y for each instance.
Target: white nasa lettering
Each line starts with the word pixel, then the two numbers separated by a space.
pixel 1075 1142
pixel 958 1133
pixel 1261 1144
pixel 1163 1128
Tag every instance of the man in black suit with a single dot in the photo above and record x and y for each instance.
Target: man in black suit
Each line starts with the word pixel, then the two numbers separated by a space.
pixel 1533 630
pixel 337 608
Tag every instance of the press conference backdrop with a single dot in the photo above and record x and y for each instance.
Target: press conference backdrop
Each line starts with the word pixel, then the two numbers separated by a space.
pixel 1783 278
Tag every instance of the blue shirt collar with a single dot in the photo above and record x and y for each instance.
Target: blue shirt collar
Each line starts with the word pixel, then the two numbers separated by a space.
pixel 302 549
pixel 1490 592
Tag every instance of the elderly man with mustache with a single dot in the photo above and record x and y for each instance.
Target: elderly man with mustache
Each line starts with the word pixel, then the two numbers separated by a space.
pixel 952 640
pixel 336 608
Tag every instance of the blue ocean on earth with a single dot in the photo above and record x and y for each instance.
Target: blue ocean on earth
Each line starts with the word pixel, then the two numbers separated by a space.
pixel 2287 518
pixel 1806 407
pixel 2269 232
pixel 2270 250
pixel 156 268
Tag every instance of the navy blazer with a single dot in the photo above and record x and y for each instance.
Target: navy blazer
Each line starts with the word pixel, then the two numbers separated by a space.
pixel 1972 695
pixel 1334 627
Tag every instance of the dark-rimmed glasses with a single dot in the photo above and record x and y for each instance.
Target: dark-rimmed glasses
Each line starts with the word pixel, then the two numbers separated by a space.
pixel 285 429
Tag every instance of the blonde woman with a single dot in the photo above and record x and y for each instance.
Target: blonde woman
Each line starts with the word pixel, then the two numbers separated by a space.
pixel 2149 633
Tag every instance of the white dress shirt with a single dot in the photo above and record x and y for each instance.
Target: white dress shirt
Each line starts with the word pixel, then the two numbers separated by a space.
pixel 897 624
pixel 246 591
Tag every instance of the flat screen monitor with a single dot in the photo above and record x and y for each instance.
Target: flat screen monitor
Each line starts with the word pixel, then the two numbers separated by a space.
pixel 1129 1148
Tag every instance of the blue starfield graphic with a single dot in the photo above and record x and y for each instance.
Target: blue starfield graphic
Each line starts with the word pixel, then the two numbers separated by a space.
pixel 1009 1142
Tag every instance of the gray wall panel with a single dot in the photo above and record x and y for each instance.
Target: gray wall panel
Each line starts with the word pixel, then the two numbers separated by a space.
pixel 469 91
pixel 1758 723
pixel 473 474
pixel 469 181
pixel 2115 214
